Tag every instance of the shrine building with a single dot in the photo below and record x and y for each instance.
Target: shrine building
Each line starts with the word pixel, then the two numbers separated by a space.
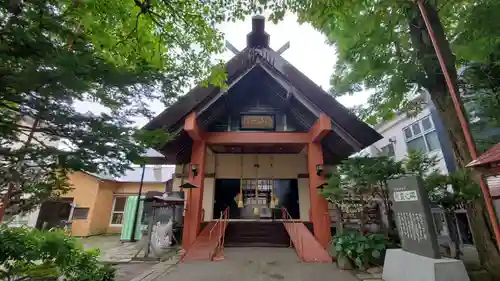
pixel 255 153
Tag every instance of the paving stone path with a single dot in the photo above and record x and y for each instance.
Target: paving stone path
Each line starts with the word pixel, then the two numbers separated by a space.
pixel 250 264
pixel 372 274
pixel 129 271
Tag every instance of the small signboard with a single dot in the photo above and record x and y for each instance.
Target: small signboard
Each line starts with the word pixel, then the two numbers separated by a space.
pixel 257 122
pixel 413 216
pixel 406 196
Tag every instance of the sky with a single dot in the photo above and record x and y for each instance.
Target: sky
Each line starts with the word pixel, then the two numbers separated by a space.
pixel 308 52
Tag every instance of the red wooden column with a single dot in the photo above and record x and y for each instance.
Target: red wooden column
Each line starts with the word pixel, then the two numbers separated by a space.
pixel 319 205
pixel 194 197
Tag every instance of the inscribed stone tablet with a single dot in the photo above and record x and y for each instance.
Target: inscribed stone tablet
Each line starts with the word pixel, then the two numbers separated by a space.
pixel 414 220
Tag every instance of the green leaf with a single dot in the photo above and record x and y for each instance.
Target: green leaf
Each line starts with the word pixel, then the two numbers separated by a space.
pixel 359 262
pixel 360 249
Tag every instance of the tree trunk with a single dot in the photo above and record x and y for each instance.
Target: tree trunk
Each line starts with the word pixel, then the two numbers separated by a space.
pixel 487 249
pixel 14 184
pixel 436 85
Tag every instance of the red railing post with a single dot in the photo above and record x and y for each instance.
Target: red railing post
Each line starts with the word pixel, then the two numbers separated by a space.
pixel 463 121
pixel 221 227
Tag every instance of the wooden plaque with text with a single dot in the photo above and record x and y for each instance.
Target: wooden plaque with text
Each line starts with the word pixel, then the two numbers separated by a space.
pixel 257 122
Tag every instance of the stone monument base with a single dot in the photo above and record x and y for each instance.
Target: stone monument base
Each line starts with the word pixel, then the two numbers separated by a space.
pixel 400 265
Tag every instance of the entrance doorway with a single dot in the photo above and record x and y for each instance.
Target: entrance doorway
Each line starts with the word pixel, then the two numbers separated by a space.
pixel 256 194
pixel 226 191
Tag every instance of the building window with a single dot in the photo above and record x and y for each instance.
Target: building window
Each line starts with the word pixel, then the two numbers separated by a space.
pixel 422 136
pixel 387 150
pixel 80 213
pixel 118 210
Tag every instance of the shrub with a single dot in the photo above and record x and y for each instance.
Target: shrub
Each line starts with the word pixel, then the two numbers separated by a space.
pixel 362 250
pixel 31 254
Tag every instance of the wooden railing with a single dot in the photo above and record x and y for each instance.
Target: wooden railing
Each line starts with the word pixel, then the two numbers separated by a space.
pixel 294 232
pixel 219 229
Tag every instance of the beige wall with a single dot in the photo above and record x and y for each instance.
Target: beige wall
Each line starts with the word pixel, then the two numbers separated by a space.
pixel 101 212
pixel 208 198
pixel 279 166
pixel 98 195
pixel 304 199
pixel 228 166
pixel 84 193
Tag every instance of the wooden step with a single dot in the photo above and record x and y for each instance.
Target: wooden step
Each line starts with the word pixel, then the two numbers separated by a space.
pixel 253 234
pixel 255 245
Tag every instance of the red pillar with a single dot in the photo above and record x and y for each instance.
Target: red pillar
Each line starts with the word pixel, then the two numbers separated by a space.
pixel 192 216
pixel 319 205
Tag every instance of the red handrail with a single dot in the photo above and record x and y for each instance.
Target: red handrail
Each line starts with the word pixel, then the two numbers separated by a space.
pixel 220 227
pixel 294 231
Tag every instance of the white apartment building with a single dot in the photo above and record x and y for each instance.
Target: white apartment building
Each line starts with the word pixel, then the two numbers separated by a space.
pixel 404 133
pixel 426 132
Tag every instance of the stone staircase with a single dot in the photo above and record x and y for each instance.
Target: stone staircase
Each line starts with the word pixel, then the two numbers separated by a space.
pixel 256 234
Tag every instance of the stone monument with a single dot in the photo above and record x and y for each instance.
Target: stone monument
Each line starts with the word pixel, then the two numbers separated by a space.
pixel 419 258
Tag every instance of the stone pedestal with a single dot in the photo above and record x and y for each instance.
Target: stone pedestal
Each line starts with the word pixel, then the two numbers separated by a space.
pixel 401 265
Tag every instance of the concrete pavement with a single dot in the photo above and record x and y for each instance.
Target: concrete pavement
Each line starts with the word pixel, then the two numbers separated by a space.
pixel 256 264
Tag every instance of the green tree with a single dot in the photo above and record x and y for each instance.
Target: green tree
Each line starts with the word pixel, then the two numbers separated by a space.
pixel 481 88
pixel 364 176
pixel 385 46
pixel 451 192
pixel 122 55
pixel 420 163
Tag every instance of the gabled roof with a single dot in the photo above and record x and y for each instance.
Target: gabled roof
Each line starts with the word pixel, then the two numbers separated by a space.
pixel 258 54
pixel 174 115
pixel 491 156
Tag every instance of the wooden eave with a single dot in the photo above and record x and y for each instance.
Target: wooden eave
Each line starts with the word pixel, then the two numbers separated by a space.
pixel 349 133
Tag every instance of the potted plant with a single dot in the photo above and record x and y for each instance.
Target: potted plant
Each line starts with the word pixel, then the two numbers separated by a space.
pixel 355 249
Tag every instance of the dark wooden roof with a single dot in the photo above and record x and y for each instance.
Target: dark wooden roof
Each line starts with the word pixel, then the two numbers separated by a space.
pixel 259 55
pixel 492 156
pixel 175 114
